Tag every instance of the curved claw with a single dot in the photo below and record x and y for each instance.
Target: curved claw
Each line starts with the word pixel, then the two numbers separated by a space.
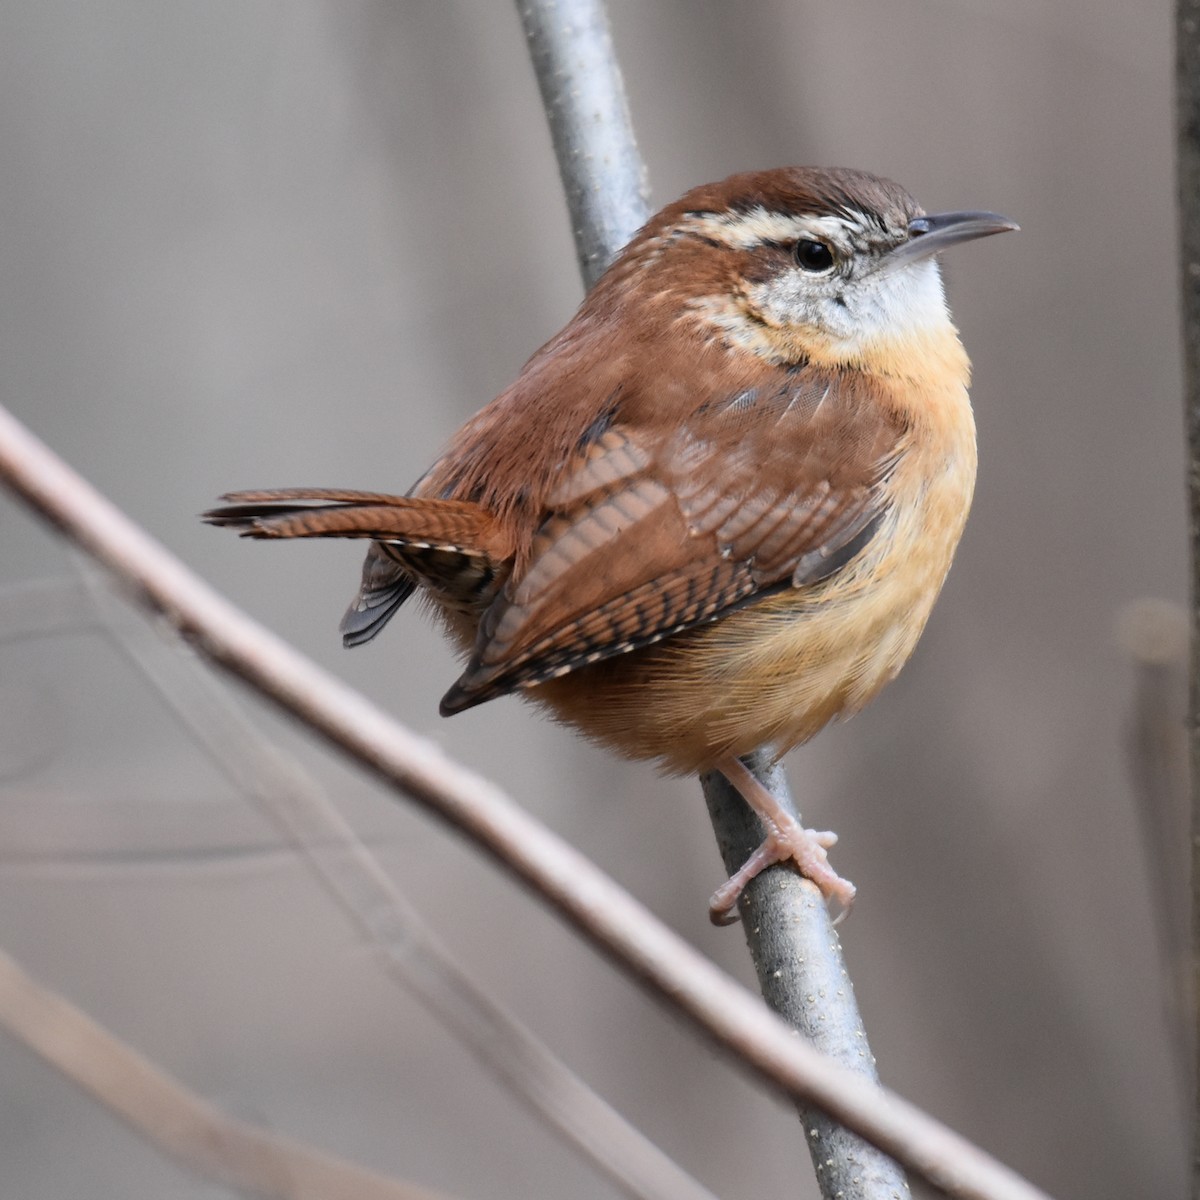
pixel 722 907
pixel 722 910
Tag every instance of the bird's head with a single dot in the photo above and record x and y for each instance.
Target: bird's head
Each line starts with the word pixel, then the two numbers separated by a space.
pixel 802 264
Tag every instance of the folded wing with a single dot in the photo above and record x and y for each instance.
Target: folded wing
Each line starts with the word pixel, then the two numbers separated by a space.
pixel 651 531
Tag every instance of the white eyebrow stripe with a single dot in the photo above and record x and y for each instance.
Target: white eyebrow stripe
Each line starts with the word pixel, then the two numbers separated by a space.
pixel 746 230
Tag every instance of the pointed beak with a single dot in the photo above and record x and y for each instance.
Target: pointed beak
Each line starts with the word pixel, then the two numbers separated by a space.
pixel 932 234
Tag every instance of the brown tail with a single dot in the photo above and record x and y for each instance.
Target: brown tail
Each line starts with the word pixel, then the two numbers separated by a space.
pixel 328 512
pixel 452 545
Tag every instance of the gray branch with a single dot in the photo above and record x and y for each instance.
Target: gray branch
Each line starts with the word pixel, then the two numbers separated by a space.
pixel 795 949
pixel 803 977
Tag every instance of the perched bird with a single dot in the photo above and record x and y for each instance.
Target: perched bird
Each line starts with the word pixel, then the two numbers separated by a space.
pixel 713 512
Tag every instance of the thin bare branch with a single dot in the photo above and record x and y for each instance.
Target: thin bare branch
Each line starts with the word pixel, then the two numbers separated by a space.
pixel 179 1123
pixel 796 952
pixel 613 921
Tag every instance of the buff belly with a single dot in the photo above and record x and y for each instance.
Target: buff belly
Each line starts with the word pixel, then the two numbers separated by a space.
pixel 776 672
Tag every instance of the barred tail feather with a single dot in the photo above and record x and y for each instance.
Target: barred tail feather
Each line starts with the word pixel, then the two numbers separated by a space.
pixel 327 512
pixel 452 545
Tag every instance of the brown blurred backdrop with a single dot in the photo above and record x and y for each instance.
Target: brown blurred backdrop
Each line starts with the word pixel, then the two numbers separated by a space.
pixel 261 243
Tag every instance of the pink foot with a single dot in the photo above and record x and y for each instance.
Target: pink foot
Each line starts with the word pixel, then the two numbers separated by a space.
pixel 786 841
pixel 807 849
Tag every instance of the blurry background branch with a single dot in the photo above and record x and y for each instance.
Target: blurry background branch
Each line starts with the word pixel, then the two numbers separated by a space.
pixel 408 950
pixel 1153 633
pixel 158 1108
pixel 797 956
pixel 1187 66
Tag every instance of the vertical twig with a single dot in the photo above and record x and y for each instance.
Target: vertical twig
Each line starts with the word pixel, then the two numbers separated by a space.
pixel 795 949
pixel 584 96
pixel 1187 81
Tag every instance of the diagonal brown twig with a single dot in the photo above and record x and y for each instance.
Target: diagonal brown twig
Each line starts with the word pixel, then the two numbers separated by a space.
pixel 609 918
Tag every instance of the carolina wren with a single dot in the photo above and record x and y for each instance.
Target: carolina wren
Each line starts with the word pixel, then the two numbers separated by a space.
pixel 713 512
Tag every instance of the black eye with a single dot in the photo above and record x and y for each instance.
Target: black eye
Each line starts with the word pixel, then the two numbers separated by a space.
pixel 813 256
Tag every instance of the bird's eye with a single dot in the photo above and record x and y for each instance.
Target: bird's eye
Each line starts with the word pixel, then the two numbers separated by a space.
pixel 813 256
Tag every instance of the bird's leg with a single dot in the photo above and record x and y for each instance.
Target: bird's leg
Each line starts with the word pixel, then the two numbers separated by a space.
pixel 786 840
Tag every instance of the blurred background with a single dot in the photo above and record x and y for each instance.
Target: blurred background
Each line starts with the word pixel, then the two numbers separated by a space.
pixel 265 244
